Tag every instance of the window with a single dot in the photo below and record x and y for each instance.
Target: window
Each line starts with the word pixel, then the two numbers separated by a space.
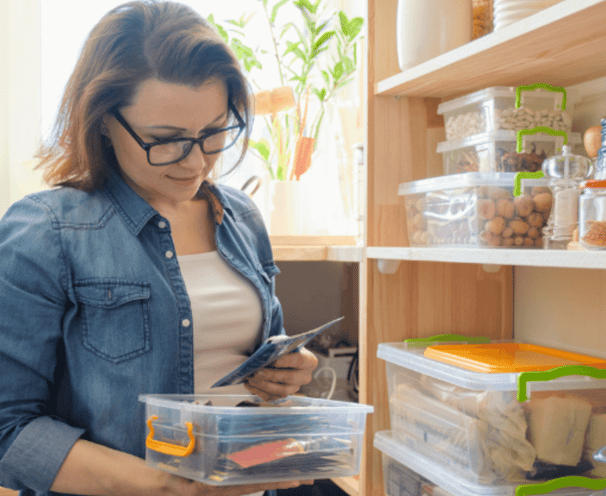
pixel 45 39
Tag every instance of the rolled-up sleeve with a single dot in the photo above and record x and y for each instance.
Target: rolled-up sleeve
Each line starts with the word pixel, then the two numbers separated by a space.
pixel 33 299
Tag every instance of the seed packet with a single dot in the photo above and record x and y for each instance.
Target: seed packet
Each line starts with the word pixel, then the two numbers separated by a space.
pixel 272 349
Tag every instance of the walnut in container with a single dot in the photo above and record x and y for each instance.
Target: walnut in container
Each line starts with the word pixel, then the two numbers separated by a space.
pixel 483 212
pixel 497 152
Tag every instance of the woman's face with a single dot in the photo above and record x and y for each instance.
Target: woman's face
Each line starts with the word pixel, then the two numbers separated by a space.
pixel 168 110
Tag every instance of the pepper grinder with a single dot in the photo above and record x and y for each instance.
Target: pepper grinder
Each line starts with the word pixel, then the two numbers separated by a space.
pixel 565 172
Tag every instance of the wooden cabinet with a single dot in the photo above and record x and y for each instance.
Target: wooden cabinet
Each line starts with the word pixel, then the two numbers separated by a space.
pixel 441 290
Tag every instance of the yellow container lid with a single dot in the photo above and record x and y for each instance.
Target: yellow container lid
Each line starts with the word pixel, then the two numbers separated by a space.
pixel 508 357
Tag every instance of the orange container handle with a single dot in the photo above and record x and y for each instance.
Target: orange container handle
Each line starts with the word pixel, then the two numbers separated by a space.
pixel 168 448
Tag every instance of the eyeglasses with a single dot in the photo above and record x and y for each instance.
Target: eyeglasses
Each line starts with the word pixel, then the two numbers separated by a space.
pixel 171 150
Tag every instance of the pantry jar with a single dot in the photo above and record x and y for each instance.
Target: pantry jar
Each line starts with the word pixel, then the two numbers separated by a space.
pixel 592 215
pixel 565 172
pixel 428 28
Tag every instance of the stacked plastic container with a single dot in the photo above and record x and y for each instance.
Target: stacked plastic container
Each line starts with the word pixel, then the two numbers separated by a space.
pixel 495 109
pixel 477 209
pixel 491 136
pixel 484 420
pixel 227 440
pixel 482 129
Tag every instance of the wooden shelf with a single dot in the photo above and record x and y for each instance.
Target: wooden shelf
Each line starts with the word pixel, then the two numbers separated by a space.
pixel 349 484
pixel 562 45
pixel 296 253
pixel 525 52
pixel 500 256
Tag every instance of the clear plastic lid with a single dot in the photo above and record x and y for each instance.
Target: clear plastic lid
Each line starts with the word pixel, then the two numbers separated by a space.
pixel 478 96
pixel 502 135
pixel 465 180
pixel 450 481
pixel 496 92
pixel 414 359
pixel 221 404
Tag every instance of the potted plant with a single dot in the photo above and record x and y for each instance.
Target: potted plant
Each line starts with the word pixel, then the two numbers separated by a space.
pixel 312 53
pixel 315 53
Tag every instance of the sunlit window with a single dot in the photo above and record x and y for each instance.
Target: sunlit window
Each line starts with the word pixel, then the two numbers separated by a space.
pixel 65 24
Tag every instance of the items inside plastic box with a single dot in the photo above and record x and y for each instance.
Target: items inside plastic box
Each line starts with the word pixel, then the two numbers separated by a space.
pixel 486 435
pixel 239 440
pixel 494 109
pixel 476 209
pixel 497 152
pixel 399 459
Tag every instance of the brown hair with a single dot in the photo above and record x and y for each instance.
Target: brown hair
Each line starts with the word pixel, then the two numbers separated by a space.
pixel 129 45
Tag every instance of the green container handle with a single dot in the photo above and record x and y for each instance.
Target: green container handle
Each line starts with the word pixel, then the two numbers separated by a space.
pixel 561 482
pixel 545 86
pixel 440 338
pixel 548 375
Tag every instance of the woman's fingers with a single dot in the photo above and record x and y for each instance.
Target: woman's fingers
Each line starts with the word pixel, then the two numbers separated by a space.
pixel 285 376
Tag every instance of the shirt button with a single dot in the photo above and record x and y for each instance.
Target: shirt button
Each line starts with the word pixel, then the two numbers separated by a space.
pixel 161 224
pixel 169 254
pixel 185 322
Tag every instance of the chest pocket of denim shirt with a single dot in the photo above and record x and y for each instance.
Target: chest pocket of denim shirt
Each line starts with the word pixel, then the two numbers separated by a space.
pixel 115 319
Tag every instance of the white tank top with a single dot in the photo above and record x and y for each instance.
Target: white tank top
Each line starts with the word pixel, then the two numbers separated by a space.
pixel 227 318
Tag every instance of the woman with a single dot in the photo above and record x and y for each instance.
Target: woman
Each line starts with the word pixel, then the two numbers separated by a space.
pixel 137 274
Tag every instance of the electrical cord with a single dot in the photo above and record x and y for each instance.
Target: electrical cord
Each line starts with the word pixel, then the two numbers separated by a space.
pixel 352 378
pixel 334 380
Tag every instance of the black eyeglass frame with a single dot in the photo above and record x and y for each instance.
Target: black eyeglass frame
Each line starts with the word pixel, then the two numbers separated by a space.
pixel 200 141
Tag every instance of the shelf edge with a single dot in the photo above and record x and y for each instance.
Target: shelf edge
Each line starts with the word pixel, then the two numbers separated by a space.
pixel 499 256
pixel 418 81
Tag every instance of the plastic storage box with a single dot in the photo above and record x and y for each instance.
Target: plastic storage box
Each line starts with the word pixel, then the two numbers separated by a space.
pixel 401 481
pixel 210 439
pixel 476 209
pixel 494 108
pixel 396 456
pixel 496 152
pixel 472 424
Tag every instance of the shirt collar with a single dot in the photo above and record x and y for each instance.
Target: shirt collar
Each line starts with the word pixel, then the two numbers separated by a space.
pixel 136 212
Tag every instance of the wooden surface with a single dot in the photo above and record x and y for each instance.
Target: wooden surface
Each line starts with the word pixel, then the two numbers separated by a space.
pixel 8 492
pixel 316 248
pixel 562 46
pixel 314 240
pixel 572 259
pixel 422 299
pixel 349 484
pixel 295 253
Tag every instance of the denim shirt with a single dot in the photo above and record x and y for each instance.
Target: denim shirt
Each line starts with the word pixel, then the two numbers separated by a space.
pixel 94 311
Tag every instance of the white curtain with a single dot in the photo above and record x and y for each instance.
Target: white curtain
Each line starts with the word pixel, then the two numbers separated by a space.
pixel 19 98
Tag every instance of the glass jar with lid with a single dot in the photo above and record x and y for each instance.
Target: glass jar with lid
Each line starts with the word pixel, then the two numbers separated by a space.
pixel 601 160
pixel 592 215
pixel 566 172
pixel 428 28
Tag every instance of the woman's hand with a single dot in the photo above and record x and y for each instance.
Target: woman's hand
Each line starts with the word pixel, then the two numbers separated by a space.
pixel 284 377
pixel 95 469
pixel 185 487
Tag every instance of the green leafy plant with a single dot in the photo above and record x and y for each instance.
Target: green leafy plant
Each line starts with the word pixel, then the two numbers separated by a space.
pixel 316 54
